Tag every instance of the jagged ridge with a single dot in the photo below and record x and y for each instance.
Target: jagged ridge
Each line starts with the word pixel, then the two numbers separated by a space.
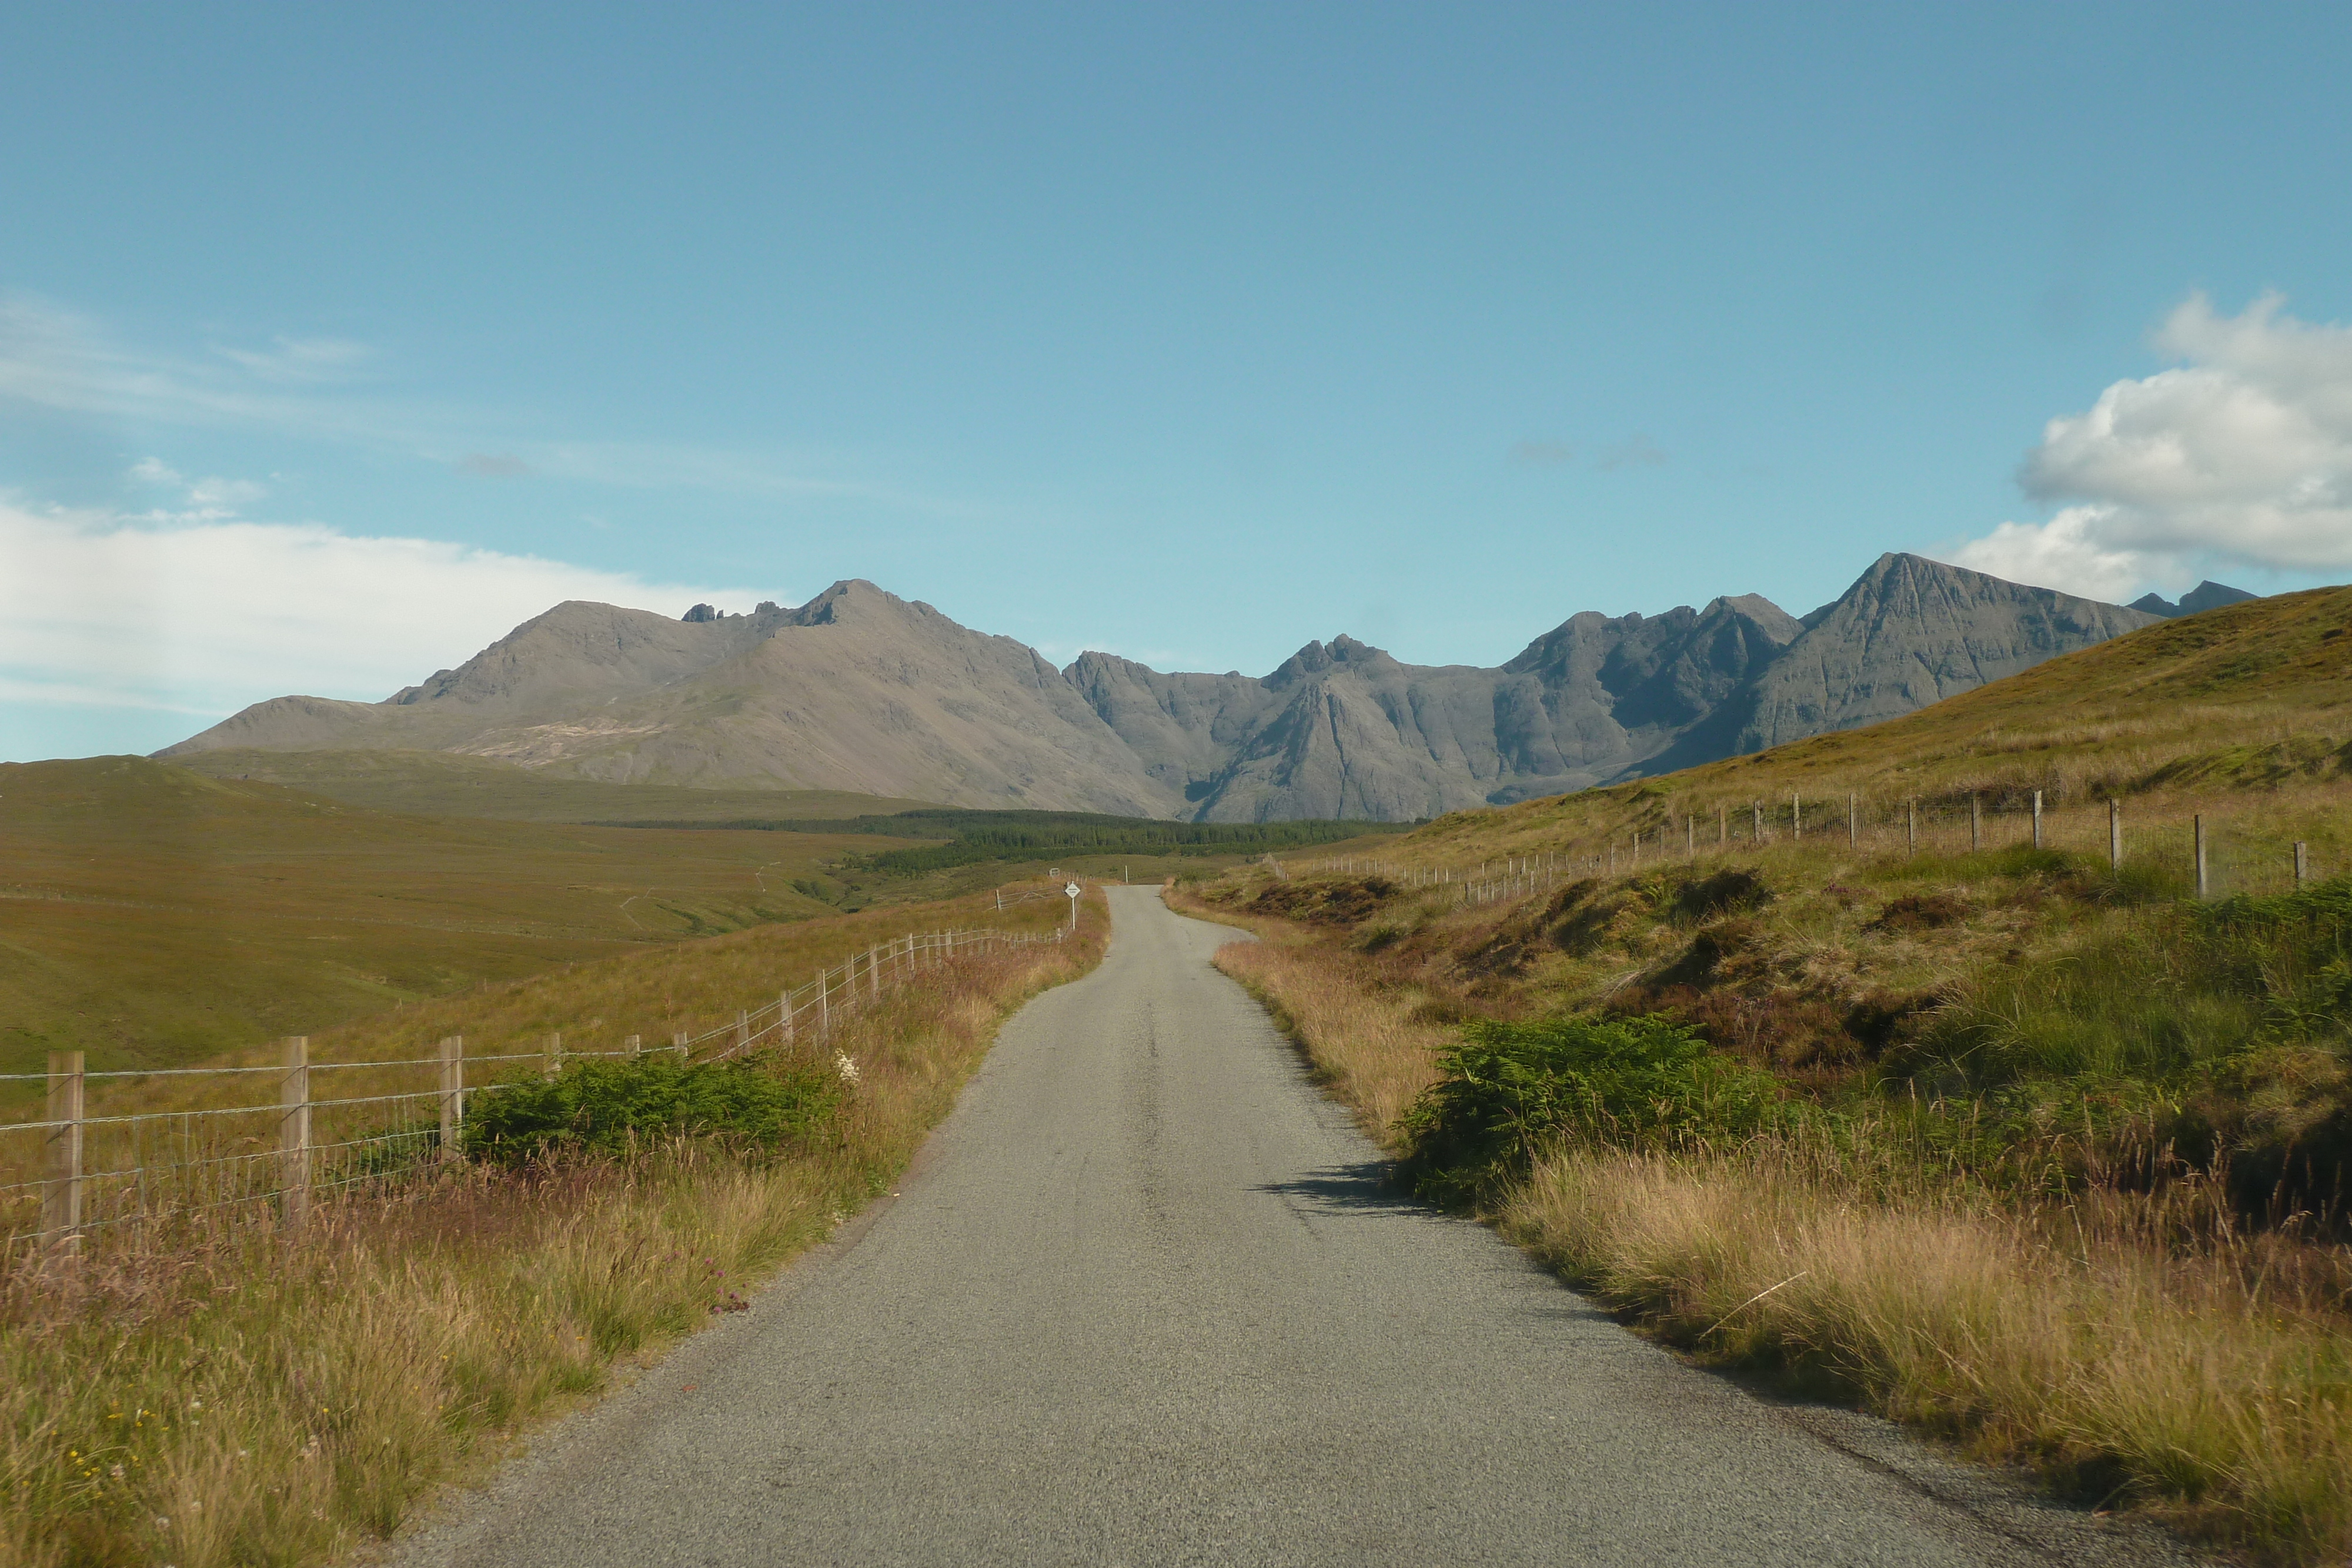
pixel 860 690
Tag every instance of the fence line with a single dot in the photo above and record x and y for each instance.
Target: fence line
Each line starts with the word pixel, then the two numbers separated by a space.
pixel 1779 825
pixel 196 1166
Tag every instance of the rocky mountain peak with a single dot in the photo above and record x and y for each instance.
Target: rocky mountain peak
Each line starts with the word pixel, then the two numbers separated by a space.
pixel 858 689
pixel 2207 595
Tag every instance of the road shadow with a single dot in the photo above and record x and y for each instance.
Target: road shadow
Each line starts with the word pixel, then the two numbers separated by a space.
pixel 1362 1189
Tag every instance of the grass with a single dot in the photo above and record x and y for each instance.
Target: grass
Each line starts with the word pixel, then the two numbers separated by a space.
pixel 653 992
pixel 150 915
pixel 2135 1348
pixel 2084 1339
pixel 1368 1049
pixel 242 1400
pixel 446 784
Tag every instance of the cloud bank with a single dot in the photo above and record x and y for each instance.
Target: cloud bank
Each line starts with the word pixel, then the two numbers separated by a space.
pixel 2239 457
pixel 204 616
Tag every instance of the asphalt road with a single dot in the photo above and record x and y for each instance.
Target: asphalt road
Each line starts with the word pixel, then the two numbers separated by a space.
pixel 1146 1300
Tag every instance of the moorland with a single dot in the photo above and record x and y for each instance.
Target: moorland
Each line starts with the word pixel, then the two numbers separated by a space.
pixel 1867 1063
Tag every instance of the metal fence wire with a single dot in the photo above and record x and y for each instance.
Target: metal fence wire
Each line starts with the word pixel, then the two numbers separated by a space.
pixel 333 1126
pixel 2211 856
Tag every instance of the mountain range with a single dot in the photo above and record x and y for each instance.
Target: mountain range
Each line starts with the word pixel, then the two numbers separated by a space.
pixel 860 690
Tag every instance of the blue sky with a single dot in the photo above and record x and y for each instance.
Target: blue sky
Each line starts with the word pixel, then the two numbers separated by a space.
pixel 333 343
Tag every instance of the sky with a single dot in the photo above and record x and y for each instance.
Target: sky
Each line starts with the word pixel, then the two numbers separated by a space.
pixel 335 341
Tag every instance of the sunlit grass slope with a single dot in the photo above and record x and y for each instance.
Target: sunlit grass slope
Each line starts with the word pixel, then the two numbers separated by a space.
pixel 444 784
pixel 258 1399
pixel 150 915
pixel 2039 1153
pixel 2255 698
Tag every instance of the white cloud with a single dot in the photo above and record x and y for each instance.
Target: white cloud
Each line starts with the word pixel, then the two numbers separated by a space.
pixel 100 609
pixel 2239 457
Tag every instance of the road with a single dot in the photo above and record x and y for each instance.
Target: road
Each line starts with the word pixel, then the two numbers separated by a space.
pixel 1146 1300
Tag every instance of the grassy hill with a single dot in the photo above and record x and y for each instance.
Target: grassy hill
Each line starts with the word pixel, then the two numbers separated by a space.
pixel 2249 706
pixel 446 784
pixel 1904 945
pixel 150 915
pixel 2033 1149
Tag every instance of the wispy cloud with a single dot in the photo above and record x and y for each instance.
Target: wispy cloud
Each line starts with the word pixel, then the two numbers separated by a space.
pixel 2240 456
pixel 108 610
pixel 336 390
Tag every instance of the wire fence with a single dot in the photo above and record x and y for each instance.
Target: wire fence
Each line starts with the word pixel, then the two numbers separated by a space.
pixel 80 1170
pixel 2210 855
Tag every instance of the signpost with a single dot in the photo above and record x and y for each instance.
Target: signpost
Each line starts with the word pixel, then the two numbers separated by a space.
pixel 1073 891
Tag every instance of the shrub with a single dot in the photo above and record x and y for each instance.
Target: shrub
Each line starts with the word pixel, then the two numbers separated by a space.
pixel 1728 891
pixel 1509 1090
pixel 609 1108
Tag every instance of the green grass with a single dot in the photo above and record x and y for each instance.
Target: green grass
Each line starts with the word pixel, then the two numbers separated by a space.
pixel 446 784
pixel 151 915
pixel 253 1399
pixel 616 1108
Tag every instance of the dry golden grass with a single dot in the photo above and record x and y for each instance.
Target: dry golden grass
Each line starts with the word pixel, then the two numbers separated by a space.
pixel 2137 1351
pixel 252 1401
pixel 1370 1052
pixel 651 992
pixel 2075 1338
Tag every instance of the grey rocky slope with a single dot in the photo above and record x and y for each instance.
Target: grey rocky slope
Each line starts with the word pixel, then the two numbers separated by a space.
pixel 860 690
pixel 855 690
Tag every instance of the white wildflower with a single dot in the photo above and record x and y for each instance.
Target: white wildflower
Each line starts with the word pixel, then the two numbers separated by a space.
pixel 845 1066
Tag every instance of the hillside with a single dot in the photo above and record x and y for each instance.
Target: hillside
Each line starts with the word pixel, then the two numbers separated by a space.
pixel 2251 702
pixel 450 784
pixel 860 692
pixel 1894 883
pixel 150 915
pixel 1842 1062
pixel 856 691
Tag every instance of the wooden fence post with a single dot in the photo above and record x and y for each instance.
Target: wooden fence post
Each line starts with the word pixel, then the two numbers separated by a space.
pixel 452 1095
pixel 742 1029
pixel 873 972
pixel 784 1017
pixel 2302 863
pixel 551 1060
pixel 678 1042
pixel 294 1134
pixel 1911 826
pixel 61 1188
pixel 2115 834
pixel 1722 825
pixel 2037 818
pixel 824 1004
pixel 2202 885
pixel 1690 835
pixel 635 1045
pixel 1853 821
pixel 1756 829
pixel 1796 816
pixel 1976 823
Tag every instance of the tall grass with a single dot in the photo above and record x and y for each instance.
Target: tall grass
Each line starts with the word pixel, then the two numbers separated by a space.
pixel 2138 1348
pixel 253 1401
pixel 2082 1340
pixel 1368 1049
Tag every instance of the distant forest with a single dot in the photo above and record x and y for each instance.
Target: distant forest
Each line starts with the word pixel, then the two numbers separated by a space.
pixel 975 837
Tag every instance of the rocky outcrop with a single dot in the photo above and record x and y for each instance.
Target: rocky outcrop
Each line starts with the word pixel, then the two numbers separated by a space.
pixel 2207 595
pixel 1912 632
